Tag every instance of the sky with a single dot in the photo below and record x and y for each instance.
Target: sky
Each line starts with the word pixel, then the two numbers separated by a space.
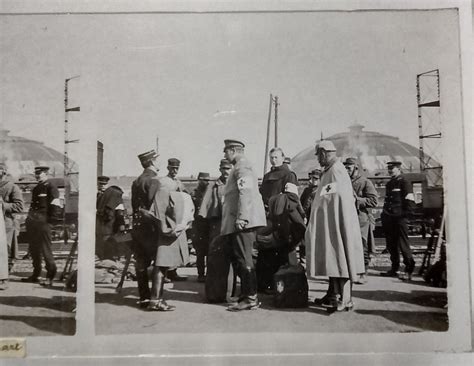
pixel 194 80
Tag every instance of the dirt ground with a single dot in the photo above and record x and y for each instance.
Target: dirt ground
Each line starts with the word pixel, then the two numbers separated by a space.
pixel 29 309
pixel 381 305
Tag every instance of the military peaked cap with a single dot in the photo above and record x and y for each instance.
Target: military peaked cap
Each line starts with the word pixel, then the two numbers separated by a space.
pixel 351 161
pixel 287 160
pixel 394 163
pixel 204 176
pixel 146 156
pixel 315 173
pixel 41 168
pixel 174 163
pixel 102 179
pixel 233 143
pixel 325 145
pixel 225 164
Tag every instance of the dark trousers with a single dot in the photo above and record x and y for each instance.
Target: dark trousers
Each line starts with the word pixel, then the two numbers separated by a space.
pixel 144 251
pixel 39 234
pixel 396 235
pixel 201 245
pixel 242 244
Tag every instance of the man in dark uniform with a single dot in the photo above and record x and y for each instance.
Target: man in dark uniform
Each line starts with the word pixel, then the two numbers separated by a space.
pixel 275 180
pixel 101 185
pixel 109 218
pixel 45 209
pixel 242 214
pixel 366 197
pixel 398 206
pixel 200 230
pixel 307 196
pixel 144 233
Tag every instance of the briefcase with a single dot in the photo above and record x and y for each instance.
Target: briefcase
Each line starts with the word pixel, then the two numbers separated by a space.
pixel 291 287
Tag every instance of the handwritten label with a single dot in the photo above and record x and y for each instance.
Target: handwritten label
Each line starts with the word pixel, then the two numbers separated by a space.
pixel 12 347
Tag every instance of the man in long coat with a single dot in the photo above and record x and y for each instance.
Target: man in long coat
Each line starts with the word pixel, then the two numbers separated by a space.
pixel 12 199
pixel 220 279
pixel 366 198
pixel 144 233
pixel 333 240
pixel 242 214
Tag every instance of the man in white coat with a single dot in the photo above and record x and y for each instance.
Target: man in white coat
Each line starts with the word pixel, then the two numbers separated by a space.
pixel 333 240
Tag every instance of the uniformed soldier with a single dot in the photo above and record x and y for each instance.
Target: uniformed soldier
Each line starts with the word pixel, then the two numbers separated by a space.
pixel 307 196
pixel 171 182
pixel 366 198
pixel 109 218
pixel 200 231
pixel 102 181
pixel 144 233
pixel 398 206
pixel 12 199
pixel 243 213
pixel 45 210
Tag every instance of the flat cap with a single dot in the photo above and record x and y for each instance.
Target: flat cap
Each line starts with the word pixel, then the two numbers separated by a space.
pixel 204 176
pixel 146 156
pixel 394 163
pixel 233 143
pixel 351 161
pixel 41 168
pixel 174 163
pixel 315 173
pixel 325 145
pixel 225 164
pixel 102 179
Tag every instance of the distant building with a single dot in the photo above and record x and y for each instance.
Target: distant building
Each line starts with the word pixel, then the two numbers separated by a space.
pixel 373 149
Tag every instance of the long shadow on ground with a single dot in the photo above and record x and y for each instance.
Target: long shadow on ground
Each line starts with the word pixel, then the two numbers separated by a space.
pixel 422 298
pixel 59 303
pixel 422 320
pixel 60 326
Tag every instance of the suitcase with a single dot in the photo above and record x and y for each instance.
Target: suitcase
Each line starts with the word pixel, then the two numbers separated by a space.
pixel 291 287
pixel 220 280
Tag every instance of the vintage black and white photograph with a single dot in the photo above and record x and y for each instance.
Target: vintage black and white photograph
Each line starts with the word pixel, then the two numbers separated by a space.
pixel 255 179
pixel 270 172
pixel 39 188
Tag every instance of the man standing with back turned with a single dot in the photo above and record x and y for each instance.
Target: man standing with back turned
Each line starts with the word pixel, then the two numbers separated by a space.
pixel 242 214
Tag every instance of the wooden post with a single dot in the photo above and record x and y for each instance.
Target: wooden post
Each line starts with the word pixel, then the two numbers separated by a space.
pixel 265 161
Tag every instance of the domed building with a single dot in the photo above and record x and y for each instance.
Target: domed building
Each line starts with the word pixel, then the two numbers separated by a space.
pixel 373 150
pixel 21 155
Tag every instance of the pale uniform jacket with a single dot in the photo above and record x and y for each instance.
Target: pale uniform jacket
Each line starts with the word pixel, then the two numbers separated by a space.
pixel 12 204
pixel 333 240
pixel 3 248
pixel 172 184
pixel 242 199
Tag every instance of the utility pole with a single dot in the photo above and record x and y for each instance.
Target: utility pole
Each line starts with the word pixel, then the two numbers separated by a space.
pixel 276 120
pixel 267 143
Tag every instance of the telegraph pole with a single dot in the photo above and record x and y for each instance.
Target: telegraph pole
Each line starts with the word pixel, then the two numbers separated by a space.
pixel 276 120
pixel 265 161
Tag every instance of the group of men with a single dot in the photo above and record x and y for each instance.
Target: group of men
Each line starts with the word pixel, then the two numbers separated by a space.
pixel 263 226
pixel 45 209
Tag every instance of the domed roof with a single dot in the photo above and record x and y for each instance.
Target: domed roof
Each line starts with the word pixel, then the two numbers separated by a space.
pixel 373 149
pixel 21 155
